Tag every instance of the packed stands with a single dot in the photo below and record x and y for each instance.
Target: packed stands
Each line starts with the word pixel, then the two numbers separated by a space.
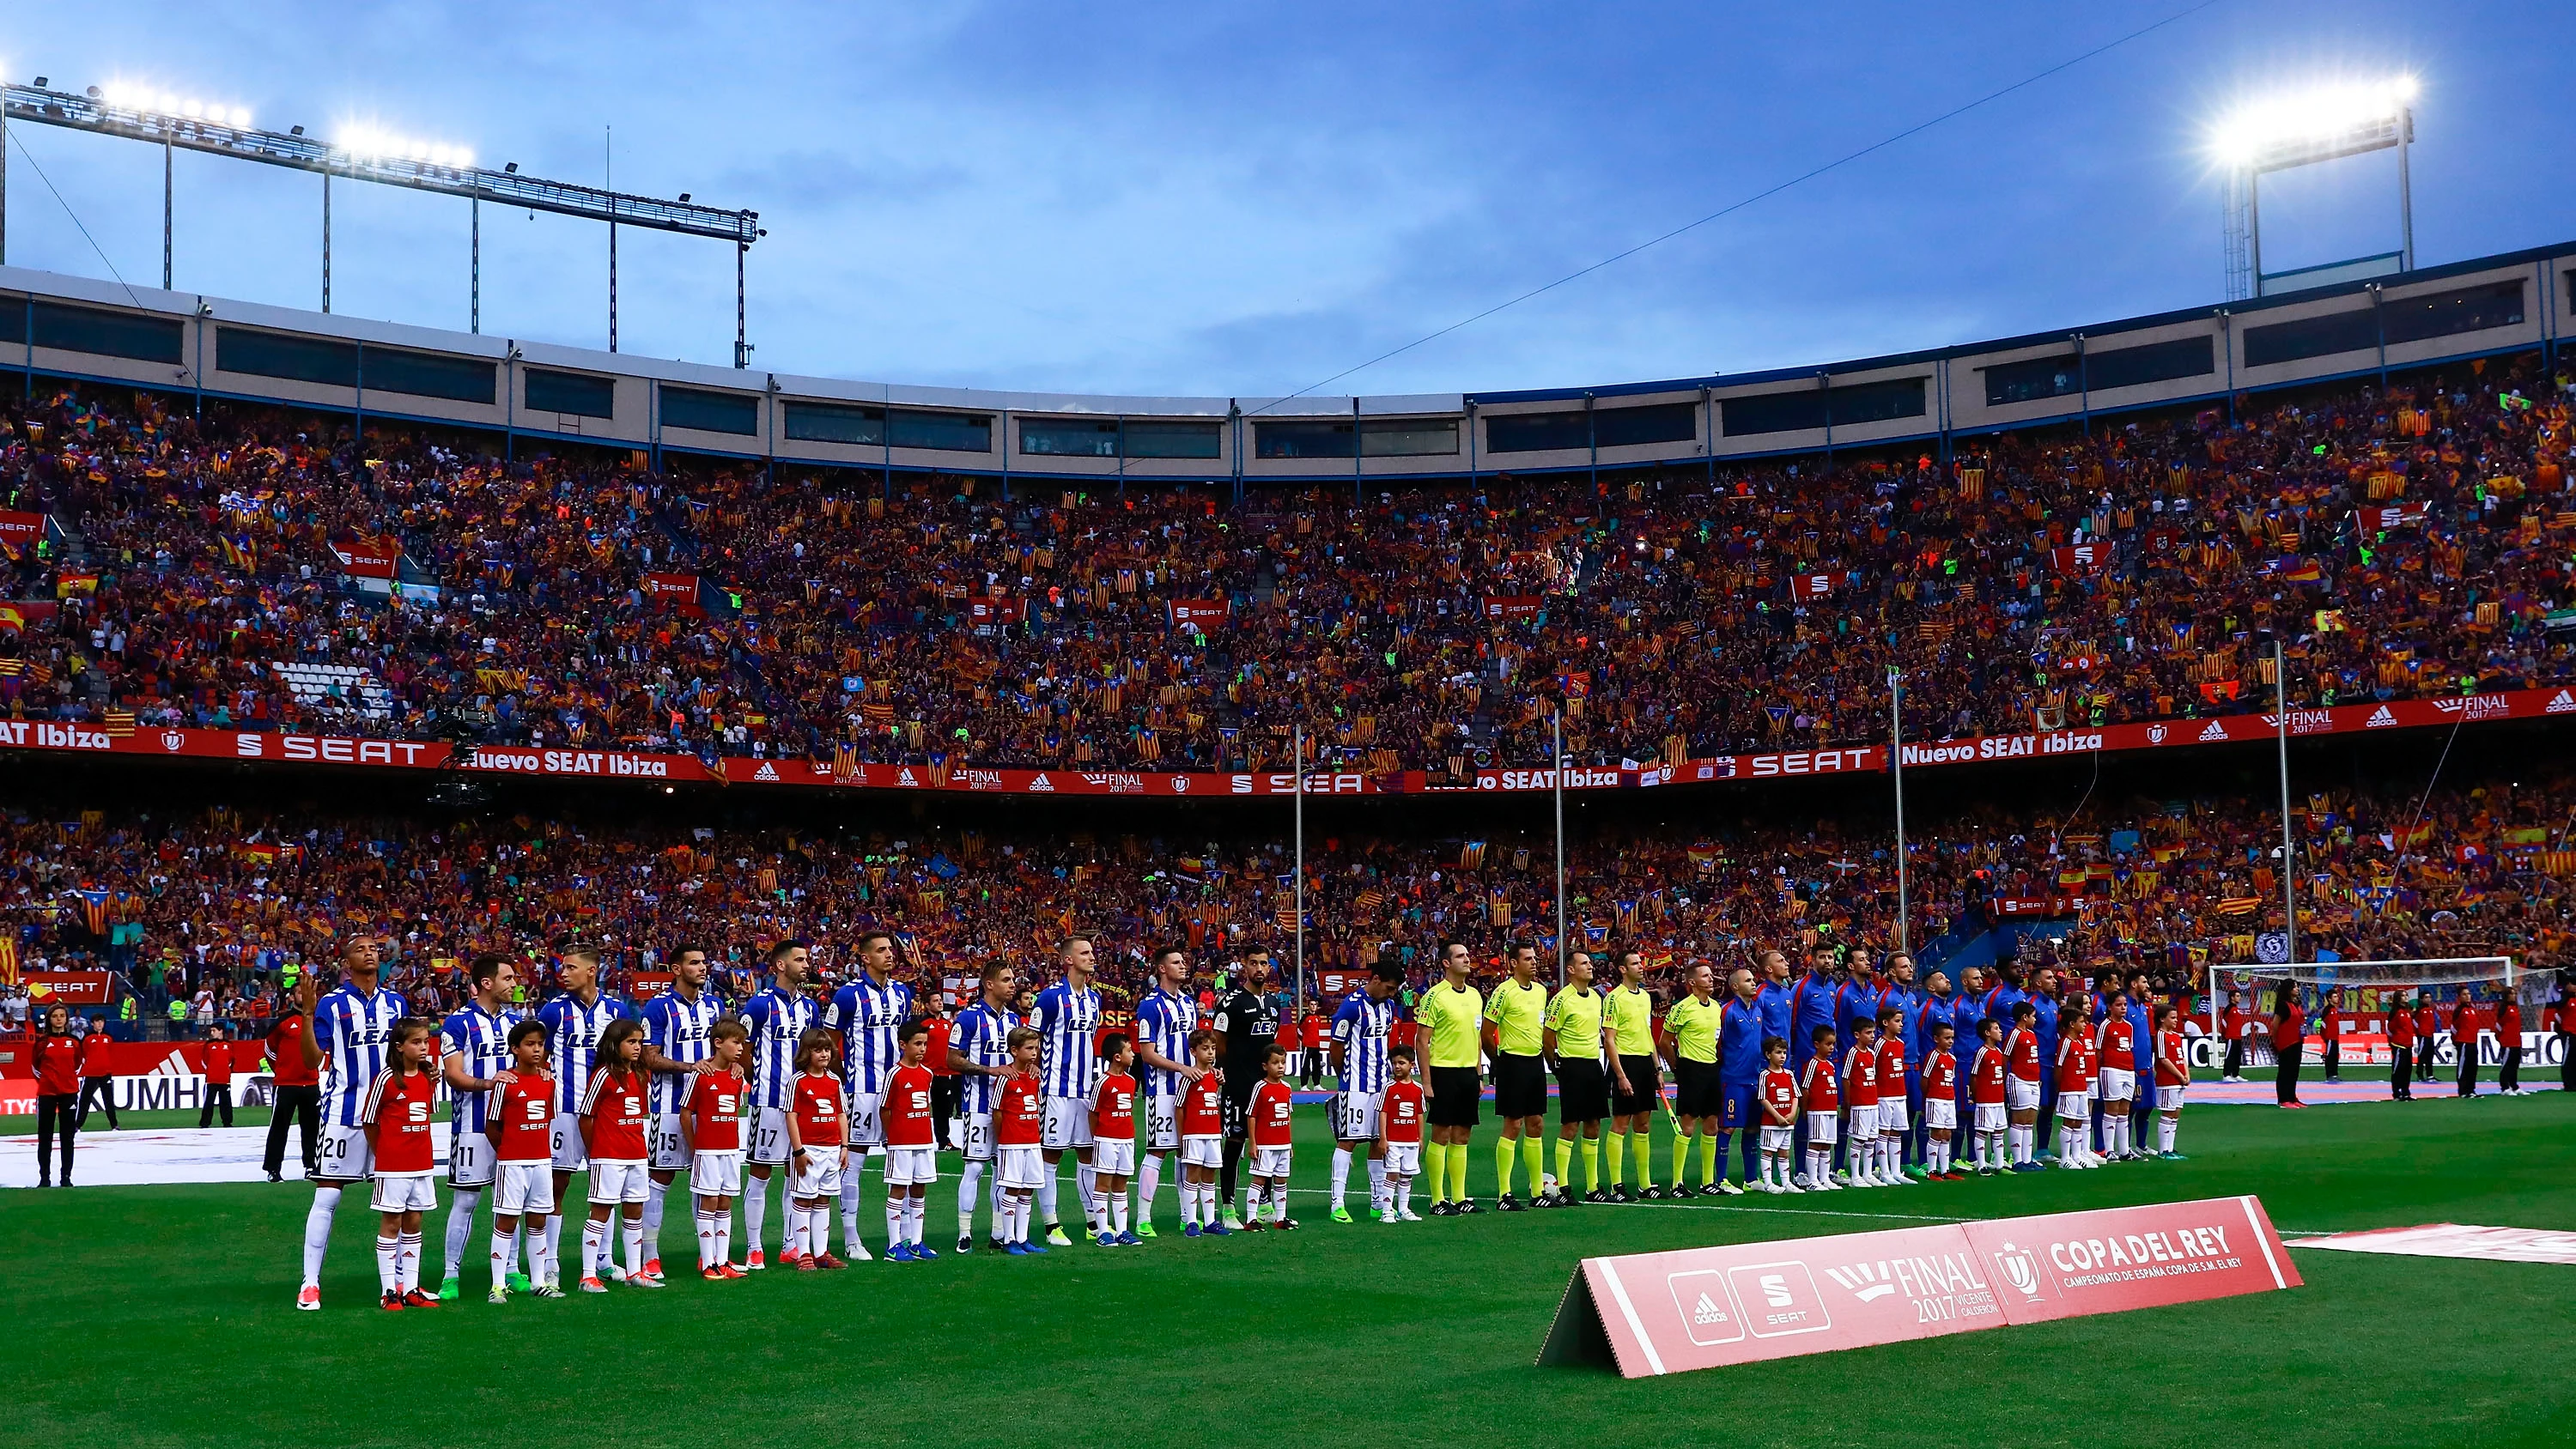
pixel 262 570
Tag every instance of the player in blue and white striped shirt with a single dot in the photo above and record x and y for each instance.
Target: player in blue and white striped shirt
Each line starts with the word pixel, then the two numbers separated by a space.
pixel 574 1020
pixel 475 1041
pixel 677 1024
pixel 1360 1028
pixel 351 1033
pixel 1067 1018
pixel 777 1014
pixel 979 1053
pixel 869 1012
pixel 1164 1020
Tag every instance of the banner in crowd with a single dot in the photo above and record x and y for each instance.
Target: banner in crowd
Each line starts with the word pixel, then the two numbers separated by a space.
pixel 674 591
pixel 2382 517
pixel 661 768
pixel 1698 1308
pixel 1513 606
pixel 367 558
pixel 982 611
pixel 1199 614
pixel 2082 558
pixel 20 532
pixel 1807 588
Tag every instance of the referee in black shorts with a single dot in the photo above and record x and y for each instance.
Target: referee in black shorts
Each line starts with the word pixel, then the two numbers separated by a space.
pixel 1248 1021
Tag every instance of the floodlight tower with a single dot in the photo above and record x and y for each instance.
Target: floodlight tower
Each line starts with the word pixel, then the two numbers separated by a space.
pixel 2304 128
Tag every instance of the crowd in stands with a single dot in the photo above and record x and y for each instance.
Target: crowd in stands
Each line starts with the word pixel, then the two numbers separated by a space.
pixel 218 907
pixel 2042 579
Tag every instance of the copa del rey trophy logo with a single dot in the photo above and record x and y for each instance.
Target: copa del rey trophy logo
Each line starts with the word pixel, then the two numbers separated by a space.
pixel 2020 1270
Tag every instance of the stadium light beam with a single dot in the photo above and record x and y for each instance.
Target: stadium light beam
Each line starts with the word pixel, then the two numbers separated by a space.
pixel 136 111
pixel 2306 128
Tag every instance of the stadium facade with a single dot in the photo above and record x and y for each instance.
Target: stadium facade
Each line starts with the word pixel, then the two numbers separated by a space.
pixel 64 326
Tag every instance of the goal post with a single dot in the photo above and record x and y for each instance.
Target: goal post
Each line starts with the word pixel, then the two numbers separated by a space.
pixel 2384 976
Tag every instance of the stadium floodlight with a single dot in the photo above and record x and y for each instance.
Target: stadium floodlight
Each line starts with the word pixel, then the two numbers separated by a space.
pixel 2304 128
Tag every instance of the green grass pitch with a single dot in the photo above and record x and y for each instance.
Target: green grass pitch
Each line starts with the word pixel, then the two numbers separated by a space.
pixel 163 1316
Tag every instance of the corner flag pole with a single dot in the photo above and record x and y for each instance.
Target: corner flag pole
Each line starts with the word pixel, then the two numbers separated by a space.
pixel 2289 857
pixel 1557 725
pixel 1297 747
pixel 1896 763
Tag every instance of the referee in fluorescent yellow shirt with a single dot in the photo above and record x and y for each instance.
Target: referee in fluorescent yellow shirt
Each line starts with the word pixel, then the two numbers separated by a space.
pixel 1582 1085
pixel 1516 1026
pixel 1690 1037
pixel 1450 1019
pixel 1636 1078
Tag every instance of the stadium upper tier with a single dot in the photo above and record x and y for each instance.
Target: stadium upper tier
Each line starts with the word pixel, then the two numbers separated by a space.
pixel 237 568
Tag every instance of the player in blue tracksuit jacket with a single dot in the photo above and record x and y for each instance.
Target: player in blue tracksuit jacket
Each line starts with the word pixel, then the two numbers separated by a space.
pixel 1811 1000
pixel 1937 1004
pixel 2043 1000
pixel 1965 1021
pixel 2143 1060
pixel 1739 1073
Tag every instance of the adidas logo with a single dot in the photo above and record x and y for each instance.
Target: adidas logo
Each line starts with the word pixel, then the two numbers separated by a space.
pixel 2216 731
pixel 1866 1281
pixel 765 772
pixel 2560 703
pixel 1706 1312
pixel 2381 718
pixel 1042 784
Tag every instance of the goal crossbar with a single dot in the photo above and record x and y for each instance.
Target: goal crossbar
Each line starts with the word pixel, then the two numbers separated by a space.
pixel 2366 975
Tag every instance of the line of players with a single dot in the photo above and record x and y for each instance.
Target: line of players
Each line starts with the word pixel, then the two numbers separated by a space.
pixel 1606 1050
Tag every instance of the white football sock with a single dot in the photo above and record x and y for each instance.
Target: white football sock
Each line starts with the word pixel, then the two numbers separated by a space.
pixel 1401 1189
pixel 894 1220
pixel 554 1237
pixel 460 1230
pixel 1377 1184
pixel 631 1230
pixel 706 1240
pixel 593 1234
pixel 1085 1181
pixel 724 1238
pixel 653 1195
pixel 967 1179
pixel 317 1232
pixel 755 1210
pixel 2165 1133
pixel 389 1263
pixel 850 1205
pixel 1046 1193
pixel 1118 1212
pixel 1341 1177
pixel 1149 1178
pixel 916 1209
pixel 502 1253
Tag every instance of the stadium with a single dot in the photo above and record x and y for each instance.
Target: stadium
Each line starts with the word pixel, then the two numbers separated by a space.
pixel 1447 868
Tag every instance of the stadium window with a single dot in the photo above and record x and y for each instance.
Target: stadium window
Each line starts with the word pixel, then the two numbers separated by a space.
pixel 2032 379
pixel 2119 367
pixel 317 360
pixel 2472 309
pixel 710 412
pixel 1537 432
pixel 810 422
pixel 94 331
pixel 1168 439
pixel 1809 409
pixel 1070 437
pixel 1654 423
pixel 1302 439
pixel 943 432
pixel 2351 331
pixel 577 393
pixel 1409 437
pixel 429 374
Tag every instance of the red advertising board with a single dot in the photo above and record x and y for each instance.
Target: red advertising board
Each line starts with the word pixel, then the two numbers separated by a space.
pixel 67 988
pixel 1661 1313
pixel 1201 614
pixel 2020 908
pixel 1512 606
pixel 18 531
pixel 645 985
pixel 1807 588
pixel 996 611
pixel 2082 558
pixel 2392 515
pixel 367 558
pixel 674 591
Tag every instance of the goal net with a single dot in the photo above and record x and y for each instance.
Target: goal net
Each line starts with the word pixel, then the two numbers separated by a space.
pixel 2370 988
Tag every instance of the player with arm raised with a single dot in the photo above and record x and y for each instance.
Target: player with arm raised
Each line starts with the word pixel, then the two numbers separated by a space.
pixel 677 1024
pixel 475 1043
pixel 979 1052
pixel 1067 1019
pixel 868 1012
pixel 350 1032
pixel 779 1016
pixel 1360 1028
pixel 1166 1019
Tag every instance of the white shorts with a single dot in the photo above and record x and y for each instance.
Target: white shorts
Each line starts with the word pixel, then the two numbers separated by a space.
pixel 1822 1129
pixel 978 1136
pixel 1205 1152
pixel 2074 1107
pixel 911 1166
pixel 867 1129
pixel 565 1137
pixel 524 1188
pixel 1404 1159
pixel 2116 1085
pixel 1271 1161
pixel 2021 1096
pixel 664 1151
pixel 470 1156
pixel 619 1182
pixel 1116 1155
pixel 1355 1116
pixel 1941 1114
pixel 405 1192
pixel 345 1156
pixel 1019 1167
pixel 1891 1115
pixel 2169 1099
pixel 1068 1124
pixel 1162 1122
pixel 1777 1139
pixel 716 1174
pixel 1991 1117
pixel 769 1136
pixel 820 1177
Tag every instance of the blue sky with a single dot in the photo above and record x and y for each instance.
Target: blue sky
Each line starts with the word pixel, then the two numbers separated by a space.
pixel 1234 200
